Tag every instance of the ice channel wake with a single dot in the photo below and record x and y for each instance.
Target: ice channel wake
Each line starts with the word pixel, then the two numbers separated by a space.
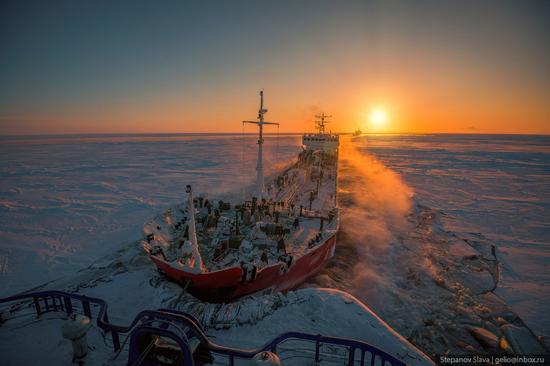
pixel 433 286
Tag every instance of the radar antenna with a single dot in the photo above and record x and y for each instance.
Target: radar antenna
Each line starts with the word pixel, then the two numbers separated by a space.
pixel 320 121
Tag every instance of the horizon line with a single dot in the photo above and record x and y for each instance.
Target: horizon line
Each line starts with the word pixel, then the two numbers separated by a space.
pixel 100 134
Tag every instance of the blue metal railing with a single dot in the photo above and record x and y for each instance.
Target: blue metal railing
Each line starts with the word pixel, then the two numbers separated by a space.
pixel 181 327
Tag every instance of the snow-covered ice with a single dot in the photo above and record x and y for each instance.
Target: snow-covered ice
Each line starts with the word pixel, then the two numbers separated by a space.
pixel 420 215
pixel 66 201
pixel 493 188
pixel 411 261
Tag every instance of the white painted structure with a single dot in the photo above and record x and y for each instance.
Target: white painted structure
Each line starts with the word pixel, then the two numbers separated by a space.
pixel 190 253
pixel 321 141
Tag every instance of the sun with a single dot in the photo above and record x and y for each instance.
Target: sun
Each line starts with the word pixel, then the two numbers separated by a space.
pixel 378 118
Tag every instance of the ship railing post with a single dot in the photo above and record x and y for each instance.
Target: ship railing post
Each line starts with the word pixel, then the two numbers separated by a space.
pixel 61 303
pixel 68 304
pixel 116 340
pixel 37 305
pixel 114 333
pixel 351 357
pixel 317 347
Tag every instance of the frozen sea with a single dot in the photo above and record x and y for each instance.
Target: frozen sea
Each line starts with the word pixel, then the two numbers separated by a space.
pixel 67 200
pixel 496 187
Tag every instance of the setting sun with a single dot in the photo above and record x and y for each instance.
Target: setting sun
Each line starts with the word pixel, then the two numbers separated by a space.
pixel 378 118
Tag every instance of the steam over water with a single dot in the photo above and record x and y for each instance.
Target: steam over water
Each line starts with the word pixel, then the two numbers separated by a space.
pixel 416 239
pixel 375 203
pixel 420 215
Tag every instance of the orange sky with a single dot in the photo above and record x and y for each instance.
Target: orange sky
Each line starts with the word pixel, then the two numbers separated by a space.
pixel 435 67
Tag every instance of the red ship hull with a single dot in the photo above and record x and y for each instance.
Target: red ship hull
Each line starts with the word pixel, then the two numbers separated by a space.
pixel 227 284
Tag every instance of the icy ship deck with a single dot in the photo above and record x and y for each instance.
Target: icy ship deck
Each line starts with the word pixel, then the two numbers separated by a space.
pixel 300 215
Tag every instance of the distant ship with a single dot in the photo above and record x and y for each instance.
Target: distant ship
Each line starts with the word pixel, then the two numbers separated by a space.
pixel 357 132
pixel 275 240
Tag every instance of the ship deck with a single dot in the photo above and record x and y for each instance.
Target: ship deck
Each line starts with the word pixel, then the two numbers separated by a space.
pixel 253 231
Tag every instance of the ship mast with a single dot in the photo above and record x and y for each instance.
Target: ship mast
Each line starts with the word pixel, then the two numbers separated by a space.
pixel 320 122
pixel 190 249
pixel 259 165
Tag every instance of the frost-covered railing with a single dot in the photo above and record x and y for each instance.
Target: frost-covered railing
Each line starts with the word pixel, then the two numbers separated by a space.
pixel 183 328
pixel 48 301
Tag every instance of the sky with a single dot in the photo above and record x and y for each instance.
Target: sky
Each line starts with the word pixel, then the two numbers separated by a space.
pixel 174 66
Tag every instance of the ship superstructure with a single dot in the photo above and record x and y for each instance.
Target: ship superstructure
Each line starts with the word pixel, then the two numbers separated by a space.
pixel 321 141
